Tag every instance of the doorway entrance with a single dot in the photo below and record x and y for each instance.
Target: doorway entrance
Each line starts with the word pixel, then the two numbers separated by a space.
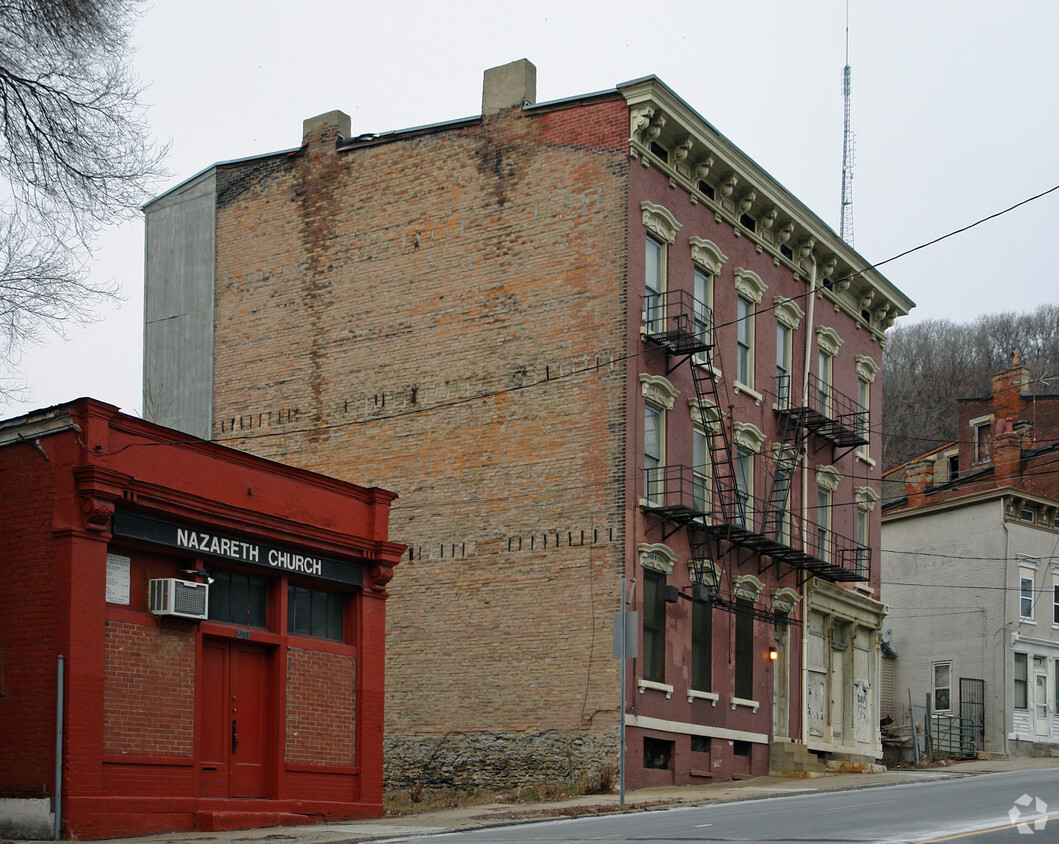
pixel 1040 705
pixel 235 709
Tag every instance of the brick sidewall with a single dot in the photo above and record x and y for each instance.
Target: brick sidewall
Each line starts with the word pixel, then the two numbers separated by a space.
pixel 444 316
pixel 27 614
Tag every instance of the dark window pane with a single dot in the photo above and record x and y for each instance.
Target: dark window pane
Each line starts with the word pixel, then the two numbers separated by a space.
pixel 240 605
pixel 654 641
pixel 701 646
pixel 239 599
pixel 258 602
pixel 220 597
pixel 318 625
pixel 314 613
pixel 744 650
pixel 1021 682
pixel 334 618
pixel 303 611
pixel 657 753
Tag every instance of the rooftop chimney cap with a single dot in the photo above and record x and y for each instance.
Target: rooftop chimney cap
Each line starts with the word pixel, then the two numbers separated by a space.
pixel 338 120
pixel 509 85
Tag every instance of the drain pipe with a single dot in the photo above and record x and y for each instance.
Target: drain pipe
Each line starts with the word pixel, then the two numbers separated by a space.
pixel 809 312
pixel 57 830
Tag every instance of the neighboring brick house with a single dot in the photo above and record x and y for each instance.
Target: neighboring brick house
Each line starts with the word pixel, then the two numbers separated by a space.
pixel 215 623
pixel 586 340
pixel 970 532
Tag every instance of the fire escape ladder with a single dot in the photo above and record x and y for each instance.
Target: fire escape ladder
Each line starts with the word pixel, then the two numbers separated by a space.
pixel 717 518
pixel 727 503
pixel 775 521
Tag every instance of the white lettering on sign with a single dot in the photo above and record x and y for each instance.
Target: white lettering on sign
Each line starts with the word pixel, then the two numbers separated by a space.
pixel 294 562
pixel 222 546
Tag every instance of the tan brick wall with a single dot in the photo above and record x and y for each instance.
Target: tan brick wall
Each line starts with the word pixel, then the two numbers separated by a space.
pixel 148 690
pixel 385 309
pixel 321 708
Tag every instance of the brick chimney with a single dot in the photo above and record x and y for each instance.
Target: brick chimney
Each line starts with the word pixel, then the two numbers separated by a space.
pixel 326 127
pixel 1008 388
pixel 918 476
pixel 509 85
pixel 1007 457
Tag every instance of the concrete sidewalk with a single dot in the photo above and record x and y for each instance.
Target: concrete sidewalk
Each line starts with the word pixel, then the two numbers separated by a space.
pixel 494 814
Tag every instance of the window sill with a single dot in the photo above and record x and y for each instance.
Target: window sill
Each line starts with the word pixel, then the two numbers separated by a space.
pixel 742 701
pixel 864 458
pixel 710 696
pixel 1023 620
pixel 643 685
pixel 740 387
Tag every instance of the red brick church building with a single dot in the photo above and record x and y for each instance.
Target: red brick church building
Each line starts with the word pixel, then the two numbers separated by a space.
pixel 191 637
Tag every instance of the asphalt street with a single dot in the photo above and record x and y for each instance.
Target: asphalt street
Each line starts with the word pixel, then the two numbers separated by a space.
pixel 1008 806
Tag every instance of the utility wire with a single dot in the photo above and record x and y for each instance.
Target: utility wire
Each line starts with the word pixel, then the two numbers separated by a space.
pixel 520 387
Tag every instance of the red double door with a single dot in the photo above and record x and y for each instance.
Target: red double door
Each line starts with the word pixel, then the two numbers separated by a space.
pixel 235 746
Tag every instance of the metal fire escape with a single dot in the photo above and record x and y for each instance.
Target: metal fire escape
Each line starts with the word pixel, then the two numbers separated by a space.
pixel 720 515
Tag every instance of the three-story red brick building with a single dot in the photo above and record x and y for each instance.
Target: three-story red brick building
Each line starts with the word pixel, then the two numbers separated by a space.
pixel 586 341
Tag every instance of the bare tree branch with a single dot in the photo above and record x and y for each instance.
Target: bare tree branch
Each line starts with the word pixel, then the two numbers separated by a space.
pixel 929 365
pixel 75 156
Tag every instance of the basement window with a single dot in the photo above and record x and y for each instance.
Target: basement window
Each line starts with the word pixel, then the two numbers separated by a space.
pixel 742 748
pixel 700 744
pixel 657 754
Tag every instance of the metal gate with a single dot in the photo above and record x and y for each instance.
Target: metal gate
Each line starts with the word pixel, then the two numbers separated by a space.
pixel 972 707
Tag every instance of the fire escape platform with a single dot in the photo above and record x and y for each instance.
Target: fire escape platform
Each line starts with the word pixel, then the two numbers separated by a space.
pixel 688 516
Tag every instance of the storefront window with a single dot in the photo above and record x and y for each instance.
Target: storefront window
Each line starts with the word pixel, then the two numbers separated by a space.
pixel 313 613
pixel 239 599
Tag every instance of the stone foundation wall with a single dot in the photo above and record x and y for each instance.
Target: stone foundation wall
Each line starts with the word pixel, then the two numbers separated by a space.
pixel 499 760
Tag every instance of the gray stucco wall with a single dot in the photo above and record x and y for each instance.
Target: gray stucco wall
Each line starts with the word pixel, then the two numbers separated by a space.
pixel 178 307
pixel 951 580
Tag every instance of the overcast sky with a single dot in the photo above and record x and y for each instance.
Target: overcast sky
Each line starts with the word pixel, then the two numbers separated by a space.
pixel 954 109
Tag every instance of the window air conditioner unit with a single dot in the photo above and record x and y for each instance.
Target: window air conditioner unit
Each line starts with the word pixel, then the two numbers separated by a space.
pixel 169 596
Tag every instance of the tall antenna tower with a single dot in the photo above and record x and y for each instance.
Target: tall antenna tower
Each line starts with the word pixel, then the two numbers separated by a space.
pixel 846 218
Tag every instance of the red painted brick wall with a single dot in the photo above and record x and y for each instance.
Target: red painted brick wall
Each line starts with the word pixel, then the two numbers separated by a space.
pixel 27 702
pixel 148 690
pixel 321 708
